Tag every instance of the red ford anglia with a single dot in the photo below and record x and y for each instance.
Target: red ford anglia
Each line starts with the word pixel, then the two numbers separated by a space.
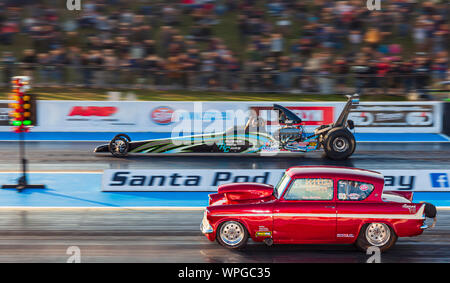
pixel 315 205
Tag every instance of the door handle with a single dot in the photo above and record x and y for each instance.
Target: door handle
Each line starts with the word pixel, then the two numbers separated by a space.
pixel 329 206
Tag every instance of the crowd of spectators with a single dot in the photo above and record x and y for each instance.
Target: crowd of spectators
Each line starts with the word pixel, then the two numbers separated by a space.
pixel 307 46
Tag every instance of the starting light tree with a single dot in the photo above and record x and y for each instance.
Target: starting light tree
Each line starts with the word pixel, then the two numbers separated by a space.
pixel 22 118
pixel 23 107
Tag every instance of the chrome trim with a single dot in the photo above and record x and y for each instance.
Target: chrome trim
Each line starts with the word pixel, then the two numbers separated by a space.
pixel 425 226
pixel 205 227
pixel 342 215
pixel 206 230
pixel 434 223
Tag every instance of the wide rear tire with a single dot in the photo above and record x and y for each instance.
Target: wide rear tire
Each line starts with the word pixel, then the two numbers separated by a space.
pixel 339 144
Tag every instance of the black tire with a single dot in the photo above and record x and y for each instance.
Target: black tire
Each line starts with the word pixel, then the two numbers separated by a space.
pixel 363 243
pixel 119 146
pixel 430 210
pixel 339 144
pixel 223 241
pixel 124 136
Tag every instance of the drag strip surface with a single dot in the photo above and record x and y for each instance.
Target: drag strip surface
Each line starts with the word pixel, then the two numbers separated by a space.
pixel 79 156
pixel 135 235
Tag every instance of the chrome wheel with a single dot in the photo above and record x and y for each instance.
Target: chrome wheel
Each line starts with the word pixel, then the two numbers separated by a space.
pixel 232 233
pixel 340 144
pixel 378 234
pixel 119 146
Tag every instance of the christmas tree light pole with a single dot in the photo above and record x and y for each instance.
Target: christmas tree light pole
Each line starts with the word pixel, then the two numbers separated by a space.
pixel 22 118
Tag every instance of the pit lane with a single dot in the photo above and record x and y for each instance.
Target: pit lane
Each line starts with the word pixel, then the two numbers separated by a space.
pixel 139 235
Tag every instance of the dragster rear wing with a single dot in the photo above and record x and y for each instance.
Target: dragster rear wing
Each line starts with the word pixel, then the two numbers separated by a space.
pixel 342 120
pixel 351 100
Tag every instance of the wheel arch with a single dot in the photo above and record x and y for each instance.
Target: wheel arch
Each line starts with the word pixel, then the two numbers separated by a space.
pixel 369 221
pixel 239 220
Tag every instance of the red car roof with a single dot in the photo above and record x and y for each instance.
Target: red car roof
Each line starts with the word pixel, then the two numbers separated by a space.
pixel 297 171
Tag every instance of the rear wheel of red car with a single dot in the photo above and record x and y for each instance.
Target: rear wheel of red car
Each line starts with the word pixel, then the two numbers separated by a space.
pixel 379 235
pixel 232 235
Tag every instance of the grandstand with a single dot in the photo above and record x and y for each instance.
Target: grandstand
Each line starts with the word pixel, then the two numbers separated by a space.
pixel 242 46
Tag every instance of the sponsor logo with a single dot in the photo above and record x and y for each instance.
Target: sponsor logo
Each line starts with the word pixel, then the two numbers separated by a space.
pixel 172 180
pixel 411 208
pixel 263 233
pixel 399 182
pixel 300 144
pixel 354 196
pixel 374 115
pixel 439 180
pixel 209 179
pixel 345 235
pixel 162 115
pixel 310 115
pixel 363 188
pixel 86 111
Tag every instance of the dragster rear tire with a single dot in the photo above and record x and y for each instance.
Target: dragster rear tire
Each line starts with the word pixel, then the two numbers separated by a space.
pixel 123 136
pixel 339 144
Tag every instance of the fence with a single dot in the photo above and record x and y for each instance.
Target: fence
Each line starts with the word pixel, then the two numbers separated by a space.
pixel 224 80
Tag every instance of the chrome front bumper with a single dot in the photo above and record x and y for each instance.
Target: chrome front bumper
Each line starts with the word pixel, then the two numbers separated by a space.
pixel 205 227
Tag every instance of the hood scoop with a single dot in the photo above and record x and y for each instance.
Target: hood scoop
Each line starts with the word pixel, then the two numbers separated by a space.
pixel 245 192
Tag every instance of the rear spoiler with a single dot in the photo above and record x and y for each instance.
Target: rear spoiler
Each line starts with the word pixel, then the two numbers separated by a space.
pixel 351 101
pixel 406 195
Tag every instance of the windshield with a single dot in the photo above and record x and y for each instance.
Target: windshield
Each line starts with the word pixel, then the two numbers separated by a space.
pixel 278 190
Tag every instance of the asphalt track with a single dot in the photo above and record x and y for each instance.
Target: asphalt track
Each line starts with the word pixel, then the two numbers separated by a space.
pixel 132 235
pixel 147 235
pixel 47 156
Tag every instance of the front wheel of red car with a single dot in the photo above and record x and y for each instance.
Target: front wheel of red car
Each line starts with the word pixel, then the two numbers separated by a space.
pixel 232 235
pixel 379 235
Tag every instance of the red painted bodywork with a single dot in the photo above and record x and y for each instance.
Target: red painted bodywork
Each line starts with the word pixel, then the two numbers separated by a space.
pixel 308 221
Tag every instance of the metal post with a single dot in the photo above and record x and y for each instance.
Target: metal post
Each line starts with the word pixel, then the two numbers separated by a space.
pixel 22 182
pixel 23 179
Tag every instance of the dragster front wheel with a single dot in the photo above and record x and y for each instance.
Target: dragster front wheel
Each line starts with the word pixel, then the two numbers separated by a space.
pixel 119 145
pixel 339 144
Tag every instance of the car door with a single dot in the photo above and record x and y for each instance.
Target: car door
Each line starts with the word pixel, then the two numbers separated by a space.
pixel 306 213
pixel 351 207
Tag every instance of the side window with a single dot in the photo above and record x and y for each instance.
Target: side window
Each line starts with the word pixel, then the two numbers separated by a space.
pixel 310 189
pixel 353 190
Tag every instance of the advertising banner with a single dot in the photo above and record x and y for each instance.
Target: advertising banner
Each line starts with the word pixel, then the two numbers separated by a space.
pixel 208 180
pixel 422 117
pixel 182 180
pixel 87 115
pixel 197 117
pixel 4 114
